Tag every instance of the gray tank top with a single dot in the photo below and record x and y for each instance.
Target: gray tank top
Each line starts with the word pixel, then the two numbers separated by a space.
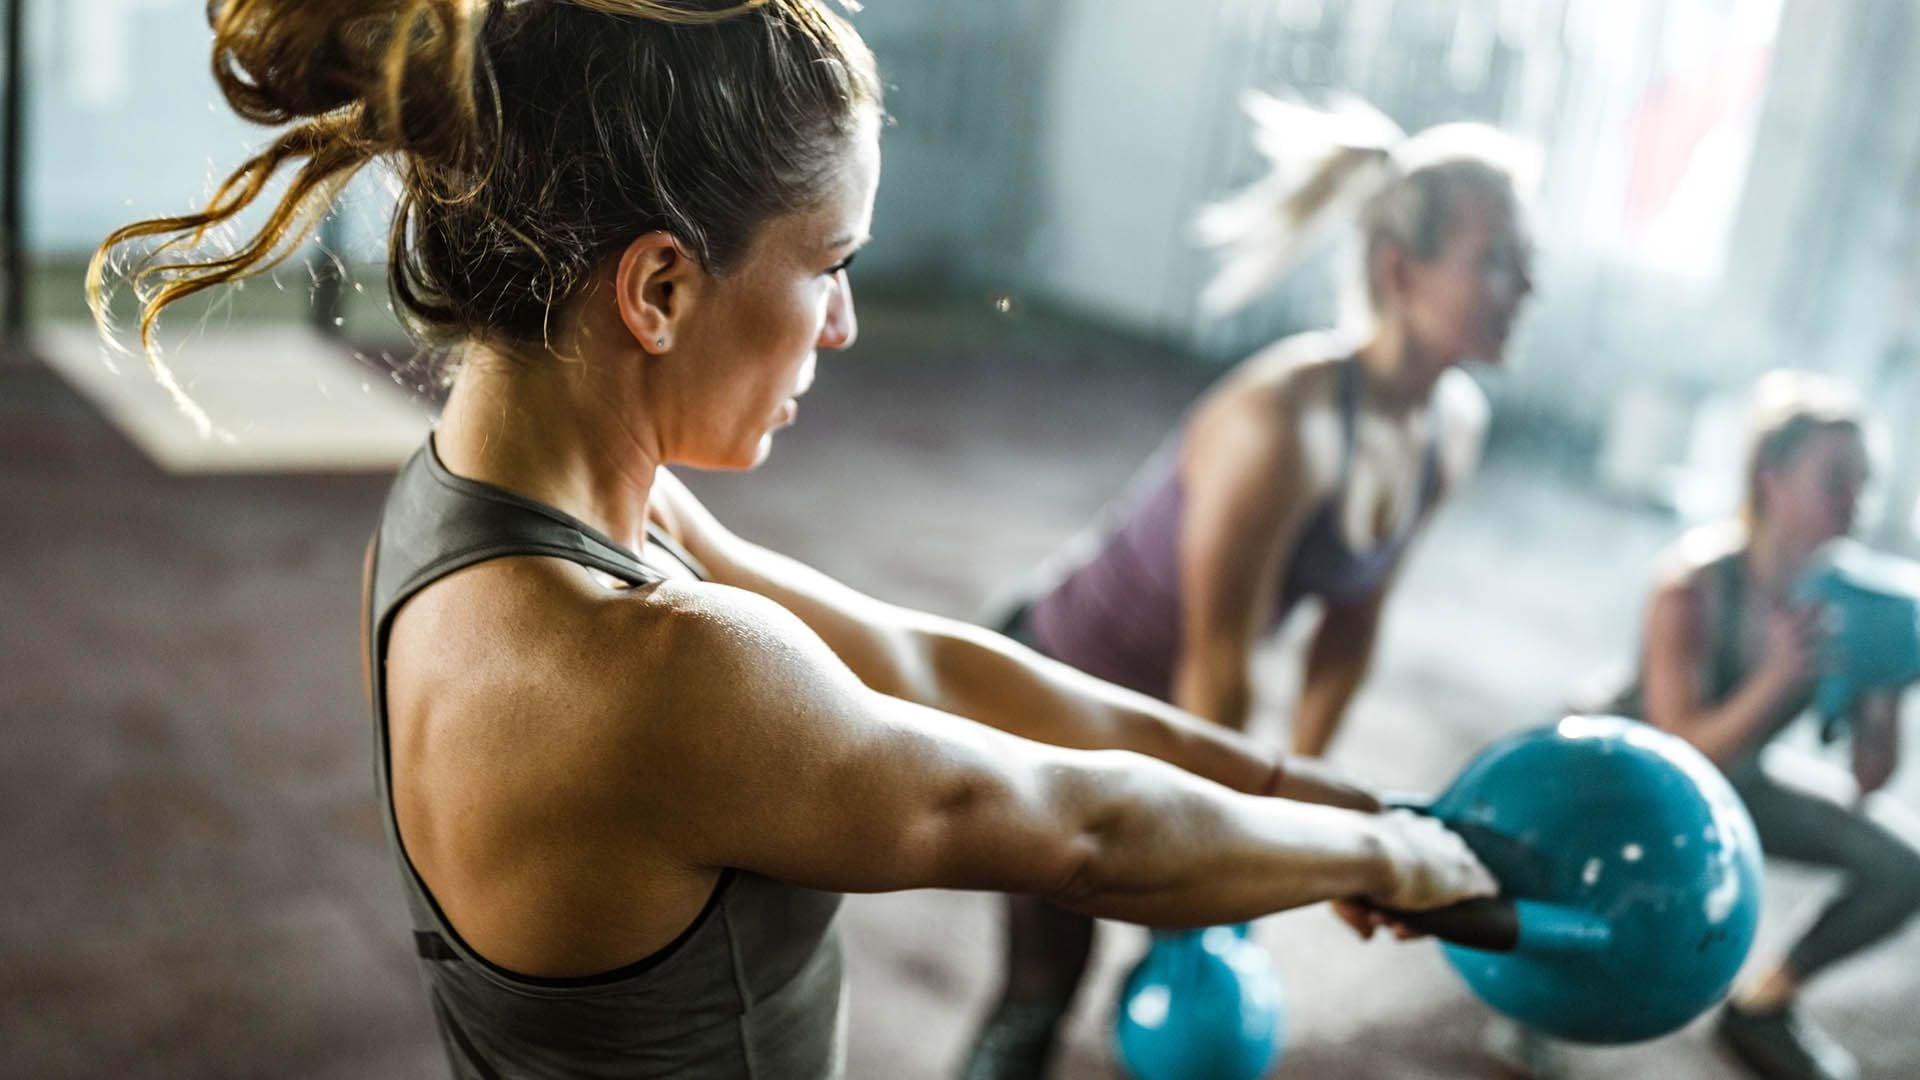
pixel 752 988
pixel 1726 668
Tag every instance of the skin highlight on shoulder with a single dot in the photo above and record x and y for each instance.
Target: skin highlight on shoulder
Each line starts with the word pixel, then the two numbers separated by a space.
pixel 1288 391
pixel 514 759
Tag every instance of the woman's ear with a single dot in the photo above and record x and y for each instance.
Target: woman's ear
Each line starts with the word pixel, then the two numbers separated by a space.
pixel 653 285
pixel 1390 270
pixel 1766 488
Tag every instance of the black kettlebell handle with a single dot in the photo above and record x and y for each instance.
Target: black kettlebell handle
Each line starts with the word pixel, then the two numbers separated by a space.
pixel 1490 924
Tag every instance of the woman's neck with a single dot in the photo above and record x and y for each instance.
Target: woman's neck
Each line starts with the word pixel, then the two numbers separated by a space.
pixel 549 429
pixel 1399 377
pixel 1774 563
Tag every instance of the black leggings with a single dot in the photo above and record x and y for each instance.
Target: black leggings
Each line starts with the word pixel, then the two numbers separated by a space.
pixel 1047 950
pixel 1881 887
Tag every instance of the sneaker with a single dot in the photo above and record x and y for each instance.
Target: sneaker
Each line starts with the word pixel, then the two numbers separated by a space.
pixel 1522 1051
pixel 1016 1043
pixel 1784 1045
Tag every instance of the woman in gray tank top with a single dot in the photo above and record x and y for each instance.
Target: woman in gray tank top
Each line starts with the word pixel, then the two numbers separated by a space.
pixel 1727 662
pixel 1304 473
pixel 628 759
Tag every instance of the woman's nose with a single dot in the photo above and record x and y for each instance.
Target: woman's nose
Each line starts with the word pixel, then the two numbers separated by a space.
pixel 841 326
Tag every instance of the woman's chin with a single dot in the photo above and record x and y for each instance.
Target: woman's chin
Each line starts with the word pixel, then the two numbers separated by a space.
pixel 738 458
pixel 762 450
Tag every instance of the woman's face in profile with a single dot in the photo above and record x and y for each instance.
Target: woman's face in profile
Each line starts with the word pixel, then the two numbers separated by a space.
pixel 1462 303
pixel 1815 495
pixel 751 350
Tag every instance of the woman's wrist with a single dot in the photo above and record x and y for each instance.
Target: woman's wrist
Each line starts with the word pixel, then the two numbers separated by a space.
pixel 1312 780
pixel 1378 870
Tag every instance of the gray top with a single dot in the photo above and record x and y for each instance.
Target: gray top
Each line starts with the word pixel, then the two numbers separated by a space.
pixel 1724 597
pixel 751 989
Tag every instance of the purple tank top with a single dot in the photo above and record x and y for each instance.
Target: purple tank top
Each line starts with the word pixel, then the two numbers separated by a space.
pixel 1115 613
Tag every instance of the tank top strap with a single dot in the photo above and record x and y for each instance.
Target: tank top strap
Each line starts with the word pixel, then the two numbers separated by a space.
pixel 436 522
pixel 1350 387
pixel 1430 477
pixel 1729 600
pixel 661 539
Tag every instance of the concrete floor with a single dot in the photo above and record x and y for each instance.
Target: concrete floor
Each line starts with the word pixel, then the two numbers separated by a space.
pixel 198 885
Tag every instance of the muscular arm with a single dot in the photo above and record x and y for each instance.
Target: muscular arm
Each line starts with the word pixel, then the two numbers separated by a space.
pixel 773 757
pixel 1337 663
pixel 1249 487
pixel 961 669
pixel 1342 648
pixel 1248 492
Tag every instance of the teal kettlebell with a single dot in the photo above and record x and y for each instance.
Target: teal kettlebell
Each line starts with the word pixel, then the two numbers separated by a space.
pixel 1200 1005
pixel 1629 874
pixel 1871 632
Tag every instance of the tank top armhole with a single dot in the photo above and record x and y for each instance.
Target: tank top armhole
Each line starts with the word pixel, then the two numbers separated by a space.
pixel 443 926
pixel 1728 604
pixel 1349 401
pixel 621 974
pixel 675 548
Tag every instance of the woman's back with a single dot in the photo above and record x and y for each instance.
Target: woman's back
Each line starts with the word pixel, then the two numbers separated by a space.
pixel 488 725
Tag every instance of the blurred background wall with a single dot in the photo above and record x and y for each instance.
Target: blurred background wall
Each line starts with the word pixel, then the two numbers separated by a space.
pixel 1726 185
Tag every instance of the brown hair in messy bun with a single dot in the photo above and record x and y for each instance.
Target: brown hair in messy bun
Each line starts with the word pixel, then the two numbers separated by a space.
pixel 529 139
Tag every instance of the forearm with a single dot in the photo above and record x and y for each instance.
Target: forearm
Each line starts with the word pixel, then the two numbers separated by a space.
pixel 1724 730
pixel 1165 849
pixel 1876 740
pixel 1211 681
pixel 1222 688
pixel 995 681
pixel 1337 664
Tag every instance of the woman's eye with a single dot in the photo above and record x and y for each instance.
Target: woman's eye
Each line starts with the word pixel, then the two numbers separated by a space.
pixel 841 265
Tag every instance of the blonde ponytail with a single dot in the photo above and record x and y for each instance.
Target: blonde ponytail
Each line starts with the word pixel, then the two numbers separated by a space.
pixel 1344 166
pixel 1323 167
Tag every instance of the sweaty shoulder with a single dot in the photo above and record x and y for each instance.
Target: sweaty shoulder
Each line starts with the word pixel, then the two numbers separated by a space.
pixel 583 687
pixel 532 708
pixel 557 746
pixel 1682 578
pixel 1291 391
pixel 1687 560
pixel 525 660
pixel 683 657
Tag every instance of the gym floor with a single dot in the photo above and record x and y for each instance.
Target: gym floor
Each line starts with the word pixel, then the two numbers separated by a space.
pixel 198 884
